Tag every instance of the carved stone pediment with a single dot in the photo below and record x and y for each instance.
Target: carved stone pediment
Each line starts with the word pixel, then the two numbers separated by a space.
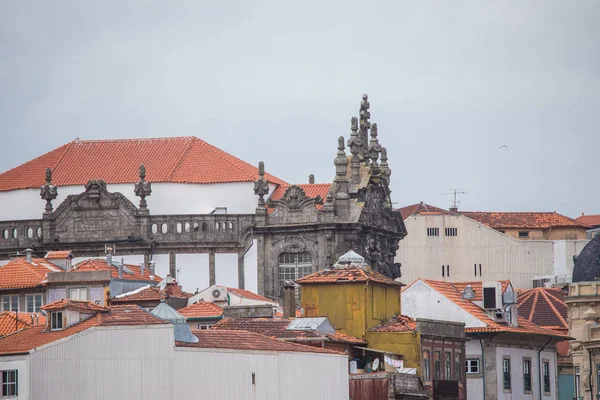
pixel 95 214
pixel 295 244
pixel 294 207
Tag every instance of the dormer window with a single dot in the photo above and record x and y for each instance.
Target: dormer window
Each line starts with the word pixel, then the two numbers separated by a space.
pixel 56 320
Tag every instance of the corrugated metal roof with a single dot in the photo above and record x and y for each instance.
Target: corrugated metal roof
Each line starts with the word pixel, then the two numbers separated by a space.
pixel 320 324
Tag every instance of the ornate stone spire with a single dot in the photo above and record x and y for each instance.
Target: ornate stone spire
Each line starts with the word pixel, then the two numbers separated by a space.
pixel 365 125
pixel 143 188
pixel 374 146
pixel 385 169
pixel 355 143
pixel 48 191
pixel 261 185
pixel 311 179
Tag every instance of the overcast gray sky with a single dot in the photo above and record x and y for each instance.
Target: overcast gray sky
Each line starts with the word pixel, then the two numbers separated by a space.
pixel 449 83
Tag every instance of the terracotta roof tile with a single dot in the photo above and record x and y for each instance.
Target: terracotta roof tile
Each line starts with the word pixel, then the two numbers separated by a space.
pixel 201 309
pixel 522 220
pixel 11 322
pixel 102 265
pixel 79 305
pixel 399 323
pixel 248 294
pixel 246 340
pixel 19 273
pixel 544 307
pixel 311 190
pixel 36 336
pixel 589 220
pixel 58 254
pixel 346 275
pixel 478 288
pixel 173 159
pixel 524 326
pixel 421 208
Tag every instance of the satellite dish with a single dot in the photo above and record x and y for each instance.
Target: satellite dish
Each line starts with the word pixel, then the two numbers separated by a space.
pixel 216 293
pixel 375 365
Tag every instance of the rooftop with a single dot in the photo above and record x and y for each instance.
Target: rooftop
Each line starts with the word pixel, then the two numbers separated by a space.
pixel 19 273
pixel 348 274
pixel 523 220
pixel 150 293
pixel 100 264
pixel 11 321
pixel 62 254
pixel 169 159
pixel 478 288
pixel 311 190
pixel 589 220
pixel 201 309
pixel 399 323
pixel 248 294
pixel 421 209
pixel 544 307
pixel 587 264
pixel 79 305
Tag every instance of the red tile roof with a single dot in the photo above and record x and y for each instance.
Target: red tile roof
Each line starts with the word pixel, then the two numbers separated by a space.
pixel 150 293
pixel 11 322
pixel 102 265
pixel 59 254
pixel 201 309
pixel 79 305
pixel 477 288
pixel 36 336
pixel 451 293
pixel 19 273
pixel 311 190
pixel 421 209
pixel 544 307
pixel 245 340
pixel 399 323
pixel 172 159
pixel 522 220
pixel 346 275
pixel 248 294
pixel 589 220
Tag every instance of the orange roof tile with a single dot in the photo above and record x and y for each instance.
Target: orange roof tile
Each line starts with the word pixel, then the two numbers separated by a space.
pixel 589 220
pixel 311 190
pixel 245 340
pixel 79 305
pixel 150 293
pixel 19 273
pixel 58 254
pixel 11 321
pixel 101 265
pixel 477 288
pixel 172 159
pixel 421 208
pixel 36 336
pixel 544 307
pixel 522 220
pixel 347 275
pixel 248 294
pixel 524 326
pixel 400 323
pixel 201 309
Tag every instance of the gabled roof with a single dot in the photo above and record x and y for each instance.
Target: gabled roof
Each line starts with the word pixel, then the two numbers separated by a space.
pixel 36 336
pixel 101 265
pixel 478 288
pixel 248 294
pixel 11 321
pixel 523 220
pixel 544 307
pixel 150 293
pixel 170 159
pixel 62 254
pixel 311 190
pixel 347 275
pixel 79 305
pixel 19 273
pixel 400 323
pixel 592 220
pixel 451 293
pixel 245 340
pixel 201 309
pixel 421 209
pixel 587 264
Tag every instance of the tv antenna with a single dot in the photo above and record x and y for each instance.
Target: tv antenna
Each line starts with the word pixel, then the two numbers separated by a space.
pixel 455 193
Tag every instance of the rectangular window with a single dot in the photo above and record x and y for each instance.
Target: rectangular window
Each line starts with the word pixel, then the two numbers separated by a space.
pixel 546 372
pixel 34 302
pixel 523 234
pixel 437 364
pixel 78 294
pixel 447 270
pixel 527 375
pixel 479 269
pixel 475 269
pixel 506 373
pixel 426 366
pixel 472 366
pixel 447 365
pixel 56 320
pixel 203 327
pixel 10 383
pixel 443 271
pixel 457 368
pixel 451 231
pixel 433 231
pixel 10 302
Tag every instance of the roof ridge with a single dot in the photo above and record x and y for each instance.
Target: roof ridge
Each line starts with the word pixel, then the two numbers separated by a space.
pixel 535 301
pixel 62 156
pixel 547 297
pixel 38 157
pixel 148 139
pixel 182 157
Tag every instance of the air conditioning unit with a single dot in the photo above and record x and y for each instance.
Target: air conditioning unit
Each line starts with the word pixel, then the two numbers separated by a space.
pixel 509 298
pixel 540 282
pixel 500 316
pixel 218 294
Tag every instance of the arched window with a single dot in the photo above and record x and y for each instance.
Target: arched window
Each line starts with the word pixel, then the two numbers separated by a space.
pixel 293 266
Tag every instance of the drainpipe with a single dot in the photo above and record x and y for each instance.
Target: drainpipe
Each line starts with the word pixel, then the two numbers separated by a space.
pixel 591 376
pixel 482 366
pixel 540 367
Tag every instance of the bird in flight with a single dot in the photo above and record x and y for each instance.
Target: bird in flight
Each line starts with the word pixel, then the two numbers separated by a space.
pixel 505 146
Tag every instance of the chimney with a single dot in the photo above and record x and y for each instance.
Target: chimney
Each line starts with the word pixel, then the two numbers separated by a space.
pixel 28 254
pixel 109 259
pixel 289 300
pixel 142 268
pixel 453 210
pixel 311 179
pixel 152 267
pixel 121 268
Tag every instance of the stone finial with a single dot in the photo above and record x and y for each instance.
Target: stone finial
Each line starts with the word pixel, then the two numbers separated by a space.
pixel 365 125
pixel 143 188
pixel 261 185
pixel 48 191
pixel 355 141
pixel 384 163
pixel 341 162
pixel 374 146
pixel 311 179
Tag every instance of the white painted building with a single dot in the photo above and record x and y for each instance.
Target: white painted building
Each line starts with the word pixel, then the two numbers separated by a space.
pixel 507 357
pixel 451 247
pixel 126 353
pixel 230 296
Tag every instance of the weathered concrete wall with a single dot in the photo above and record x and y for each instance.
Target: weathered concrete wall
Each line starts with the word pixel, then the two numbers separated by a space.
pixel 255 311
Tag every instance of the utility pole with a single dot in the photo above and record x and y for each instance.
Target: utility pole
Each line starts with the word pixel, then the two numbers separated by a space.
pixel 455 202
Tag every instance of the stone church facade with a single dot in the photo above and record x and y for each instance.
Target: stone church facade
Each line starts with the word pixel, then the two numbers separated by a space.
pixel 296 231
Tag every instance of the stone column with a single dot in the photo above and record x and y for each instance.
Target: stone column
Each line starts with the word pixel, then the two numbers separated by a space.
pixel 241 281
pixel 172 265
pixel 211 267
